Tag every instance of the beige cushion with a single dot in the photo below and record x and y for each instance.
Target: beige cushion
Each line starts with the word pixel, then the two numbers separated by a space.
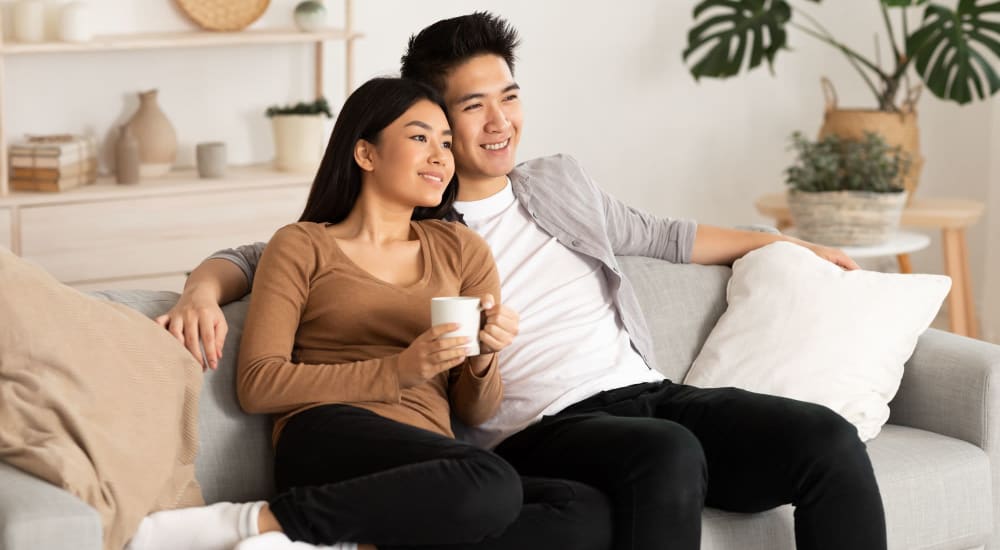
pixel 95 398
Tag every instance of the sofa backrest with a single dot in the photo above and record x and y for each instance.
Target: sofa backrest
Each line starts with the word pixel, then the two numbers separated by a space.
pixel 681 304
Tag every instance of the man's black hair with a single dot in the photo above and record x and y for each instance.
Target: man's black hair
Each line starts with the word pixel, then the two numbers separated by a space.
pixel 436 50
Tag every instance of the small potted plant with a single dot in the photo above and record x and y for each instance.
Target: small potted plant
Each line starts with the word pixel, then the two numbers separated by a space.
pixel 845 192
pixel 298 134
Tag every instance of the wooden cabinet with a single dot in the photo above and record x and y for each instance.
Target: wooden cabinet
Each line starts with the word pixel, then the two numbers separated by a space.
pixel 5 228
pixel 111 236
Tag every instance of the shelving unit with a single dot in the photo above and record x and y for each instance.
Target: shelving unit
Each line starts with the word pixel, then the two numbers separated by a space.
pixel 150 234
pixel 178 40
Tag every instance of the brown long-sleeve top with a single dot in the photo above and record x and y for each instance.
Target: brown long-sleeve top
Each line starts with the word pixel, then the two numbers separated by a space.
pixel 322 330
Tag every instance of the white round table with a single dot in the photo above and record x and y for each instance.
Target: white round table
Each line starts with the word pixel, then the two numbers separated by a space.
pixel 903 242
pixel 900 246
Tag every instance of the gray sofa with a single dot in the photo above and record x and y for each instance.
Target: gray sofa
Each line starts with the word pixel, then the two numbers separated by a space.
pixel 933 460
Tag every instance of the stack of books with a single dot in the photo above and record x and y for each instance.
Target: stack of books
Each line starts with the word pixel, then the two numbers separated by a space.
pixel 53 163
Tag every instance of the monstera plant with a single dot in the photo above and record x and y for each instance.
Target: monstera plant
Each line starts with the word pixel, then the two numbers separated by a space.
pixel 953 50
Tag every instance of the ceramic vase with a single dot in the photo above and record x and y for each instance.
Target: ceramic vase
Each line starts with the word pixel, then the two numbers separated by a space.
pixel 298 142
pixel 156 136
pixel 74 23
pixel 127 157
pixel 310 15
pixel 29 21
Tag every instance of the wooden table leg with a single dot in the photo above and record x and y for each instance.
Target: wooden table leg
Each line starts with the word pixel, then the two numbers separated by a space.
pixel 952 242
pixel 970 303
pixel 904 263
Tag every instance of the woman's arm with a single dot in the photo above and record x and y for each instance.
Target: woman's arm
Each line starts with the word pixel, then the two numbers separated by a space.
pixel 475 389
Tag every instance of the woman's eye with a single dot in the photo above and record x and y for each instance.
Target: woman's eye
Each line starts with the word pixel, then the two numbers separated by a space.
pixel 419 138
pixel 446 145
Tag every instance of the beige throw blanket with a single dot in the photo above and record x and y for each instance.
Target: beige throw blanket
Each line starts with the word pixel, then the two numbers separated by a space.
pixel 95 398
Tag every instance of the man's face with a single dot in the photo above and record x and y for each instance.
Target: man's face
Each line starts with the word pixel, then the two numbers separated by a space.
pixel 485 107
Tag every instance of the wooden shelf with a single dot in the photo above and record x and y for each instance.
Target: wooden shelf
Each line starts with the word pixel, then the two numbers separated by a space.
pixel 178 182
pixel 182 39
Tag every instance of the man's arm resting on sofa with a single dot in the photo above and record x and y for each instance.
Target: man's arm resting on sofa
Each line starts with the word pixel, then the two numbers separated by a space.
pixel 951 386
pixel 197 315
pixel 35 514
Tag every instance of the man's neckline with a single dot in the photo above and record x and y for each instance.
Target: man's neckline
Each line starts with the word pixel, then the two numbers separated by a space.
pixel 488 207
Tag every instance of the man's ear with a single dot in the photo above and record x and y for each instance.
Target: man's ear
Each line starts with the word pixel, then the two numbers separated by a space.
pixel 364 155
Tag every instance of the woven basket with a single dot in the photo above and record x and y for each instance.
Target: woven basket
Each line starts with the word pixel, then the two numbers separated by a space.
pixel 846 218
pixel 897 129
pixel 223 15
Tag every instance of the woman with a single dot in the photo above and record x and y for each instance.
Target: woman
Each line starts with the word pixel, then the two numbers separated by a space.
pixel 338 345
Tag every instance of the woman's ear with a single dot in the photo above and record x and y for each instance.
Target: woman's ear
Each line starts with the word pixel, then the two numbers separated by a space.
pixel 364 153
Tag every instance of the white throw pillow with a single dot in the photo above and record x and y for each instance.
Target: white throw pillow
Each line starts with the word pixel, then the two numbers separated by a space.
pixel 798 326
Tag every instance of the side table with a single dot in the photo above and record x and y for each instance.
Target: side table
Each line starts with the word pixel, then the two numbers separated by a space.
pixel 952 217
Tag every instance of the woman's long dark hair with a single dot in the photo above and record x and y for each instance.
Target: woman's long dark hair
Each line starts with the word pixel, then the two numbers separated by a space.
pixel 365 114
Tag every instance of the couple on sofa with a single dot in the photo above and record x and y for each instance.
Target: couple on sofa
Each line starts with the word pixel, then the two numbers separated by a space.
pixel 567 437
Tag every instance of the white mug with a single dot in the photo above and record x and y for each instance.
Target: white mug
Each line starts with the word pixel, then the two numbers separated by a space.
pixel 462 310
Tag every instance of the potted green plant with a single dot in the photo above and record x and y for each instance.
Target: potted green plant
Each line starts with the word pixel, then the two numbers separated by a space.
pixel 953 51
pixel 298 134
pixel 846 192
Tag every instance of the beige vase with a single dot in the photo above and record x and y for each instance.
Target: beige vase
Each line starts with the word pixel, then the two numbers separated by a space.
pixel 298 142
pixel 897 129
pixel 156 136
pixel 846 218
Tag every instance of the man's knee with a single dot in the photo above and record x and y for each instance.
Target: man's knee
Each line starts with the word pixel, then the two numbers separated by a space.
pixel 490 497
pixel 669 455
pixel 590 517
pixel 831 443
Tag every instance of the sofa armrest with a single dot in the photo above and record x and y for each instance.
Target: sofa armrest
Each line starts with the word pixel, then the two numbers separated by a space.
pixel 951 386
pixel 35 514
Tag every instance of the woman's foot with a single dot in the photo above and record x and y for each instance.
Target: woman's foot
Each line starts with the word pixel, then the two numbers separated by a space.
pixel 215 527
pixel 278 541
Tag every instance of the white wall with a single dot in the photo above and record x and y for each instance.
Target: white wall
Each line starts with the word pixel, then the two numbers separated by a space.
pixel 602 81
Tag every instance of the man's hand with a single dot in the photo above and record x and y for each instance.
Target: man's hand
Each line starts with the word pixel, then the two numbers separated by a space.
pixel 501 326
pixel 197 317
pixel 834 255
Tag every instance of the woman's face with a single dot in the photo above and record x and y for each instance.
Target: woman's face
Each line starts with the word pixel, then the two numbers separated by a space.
pixel 412 162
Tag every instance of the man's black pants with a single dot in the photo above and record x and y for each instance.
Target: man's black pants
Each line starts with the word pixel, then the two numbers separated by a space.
pixel 663 451
pixel 346 474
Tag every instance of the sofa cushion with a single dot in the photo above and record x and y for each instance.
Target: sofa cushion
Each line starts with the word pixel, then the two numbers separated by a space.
pixel 681 304
pixel 799 326
pixel 936 492
pixel 95 399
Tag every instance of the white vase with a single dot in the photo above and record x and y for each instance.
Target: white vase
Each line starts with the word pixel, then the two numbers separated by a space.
pixel 298 142
pixel 74 23
pixel 29 21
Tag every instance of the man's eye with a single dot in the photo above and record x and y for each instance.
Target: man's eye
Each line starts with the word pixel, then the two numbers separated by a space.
pixel 473 106
pixel 511 97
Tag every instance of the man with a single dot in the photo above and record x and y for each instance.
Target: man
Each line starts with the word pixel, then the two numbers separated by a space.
pixel 581 401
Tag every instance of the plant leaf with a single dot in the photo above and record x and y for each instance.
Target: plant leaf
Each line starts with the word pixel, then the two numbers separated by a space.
pixel 727 29
pixel 948 50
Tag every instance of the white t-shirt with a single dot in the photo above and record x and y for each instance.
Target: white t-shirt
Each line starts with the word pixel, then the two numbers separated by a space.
pixel 571 343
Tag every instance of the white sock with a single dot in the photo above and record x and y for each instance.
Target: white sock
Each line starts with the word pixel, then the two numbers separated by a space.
pixel 278 541
pixel 215 527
